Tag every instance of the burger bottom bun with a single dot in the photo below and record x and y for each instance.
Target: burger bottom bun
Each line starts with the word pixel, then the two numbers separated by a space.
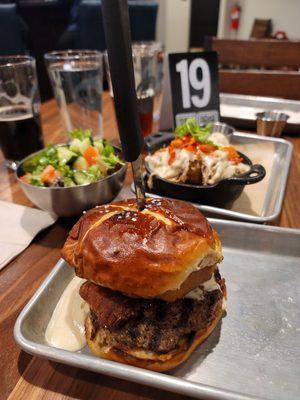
pixel 194 280
pixel 150 360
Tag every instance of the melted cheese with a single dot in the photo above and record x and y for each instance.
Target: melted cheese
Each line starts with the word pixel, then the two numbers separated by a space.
pixel 211 284
pixel 159 164
pixel 208 286
pixel 214 166
pixel 196 294
pixel 66 329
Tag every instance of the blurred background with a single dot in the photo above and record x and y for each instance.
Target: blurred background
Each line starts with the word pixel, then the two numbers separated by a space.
pixel 39 26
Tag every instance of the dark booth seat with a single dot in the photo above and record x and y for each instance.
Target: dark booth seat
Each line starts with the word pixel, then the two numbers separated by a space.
pixel 90 32
pixel 11 40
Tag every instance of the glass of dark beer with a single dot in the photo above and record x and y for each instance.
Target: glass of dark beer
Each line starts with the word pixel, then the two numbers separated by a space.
pixel 145 73
pixel 20 127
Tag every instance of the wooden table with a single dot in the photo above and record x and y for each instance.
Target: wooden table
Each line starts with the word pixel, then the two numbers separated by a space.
pixel 25 377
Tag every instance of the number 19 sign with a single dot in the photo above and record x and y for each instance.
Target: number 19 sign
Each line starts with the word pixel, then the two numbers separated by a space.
pixel 194 86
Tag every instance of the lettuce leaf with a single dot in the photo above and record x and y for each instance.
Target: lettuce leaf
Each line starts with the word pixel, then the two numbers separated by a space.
pixel 81 134
pixel 191 127
pixel 109 155
pixel 46 157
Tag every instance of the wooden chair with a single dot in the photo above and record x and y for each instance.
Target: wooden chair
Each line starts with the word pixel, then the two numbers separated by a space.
pixel 263 54
pixel 261 29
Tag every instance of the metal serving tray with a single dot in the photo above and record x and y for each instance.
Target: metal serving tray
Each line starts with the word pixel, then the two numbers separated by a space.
pixel 240 110
pixel 260 202
pixel 252 354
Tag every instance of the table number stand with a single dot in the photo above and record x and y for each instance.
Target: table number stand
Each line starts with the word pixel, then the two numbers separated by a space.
pixel 191 89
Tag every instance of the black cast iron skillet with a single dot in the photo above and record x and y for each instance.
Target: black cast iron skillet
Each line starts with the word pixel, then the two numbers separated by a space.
pixel 219 194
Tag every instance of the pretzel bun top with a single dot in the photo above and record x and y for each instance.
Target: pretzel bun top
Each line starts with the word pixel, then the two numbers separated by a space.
pixel 160 250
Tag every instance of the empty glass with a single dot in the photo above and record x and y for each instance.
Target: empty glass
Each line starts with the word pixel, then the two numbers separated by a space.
pixel 77 81
pixel 20 127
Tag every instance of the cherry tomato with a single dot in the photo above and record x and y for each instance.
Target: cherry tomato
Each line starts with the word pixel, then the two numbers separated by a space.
pixel 91 155
pixel 49 175
pixel 233 154
pixel 207 148
pixel 171 157
pixel 26 178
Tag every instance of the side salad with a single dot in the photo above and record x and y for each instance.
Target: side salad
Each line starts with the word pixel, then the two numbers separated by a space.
pixel 83 160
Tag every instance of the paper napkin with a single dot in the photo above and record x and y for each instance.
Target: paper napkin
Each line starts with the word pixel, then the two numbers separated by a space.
pixel 18 227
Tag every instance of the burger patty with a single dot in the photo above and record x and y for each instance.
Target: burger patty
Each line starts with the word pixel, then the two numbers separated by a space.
pixel 152 325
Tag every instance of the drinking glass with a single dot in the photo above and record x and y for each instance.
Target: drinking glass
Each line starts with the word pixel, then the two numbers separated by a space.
pixel 145 71
pixel 20 126
pixel 76 78
pixel 157 47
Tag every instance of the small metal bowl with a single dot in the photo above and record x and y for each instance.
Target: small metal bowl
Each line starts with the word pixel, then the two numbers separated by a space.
pixel 71 201
pixel 221 127
pixel 271 123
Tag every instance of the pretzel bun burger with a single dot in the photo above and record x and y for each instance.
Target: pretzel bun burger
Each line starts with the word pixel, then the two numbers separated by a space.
pixel 152 282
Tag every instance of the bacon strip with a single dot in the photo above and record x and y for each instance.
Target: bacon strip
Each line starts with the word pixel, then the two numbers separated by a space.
pixel 112 308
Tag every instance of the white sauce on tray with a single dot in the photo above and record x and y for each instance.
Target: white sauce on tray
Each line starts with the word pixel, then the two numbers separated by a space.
pixel 66 329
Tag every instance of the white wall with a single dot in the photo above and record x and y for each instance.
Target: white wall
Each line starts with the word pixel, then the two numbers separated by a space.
pixel 285 15
pixel 161 21
pixel 173 24
pixel 224 19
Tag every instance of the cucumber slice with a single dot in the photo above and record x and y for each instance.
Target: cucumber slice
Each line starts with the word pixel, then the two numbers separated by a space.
pixel 74 145
pixel 81 178
pixel 95 172
pixel 80 146
pixel 99 145
pixel 68 182
pixel 81 164
pixel 65 155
